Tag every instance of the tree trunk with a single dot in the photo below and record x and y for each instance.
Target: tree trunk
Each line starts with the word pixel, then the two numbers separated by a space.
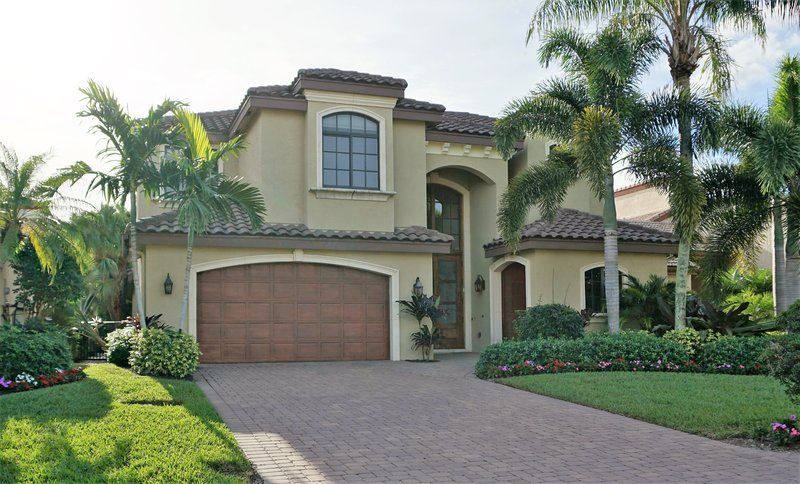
pixel 134 257
pixel 611 255
pixel 187 272
pixel 682 82
pixel 779 295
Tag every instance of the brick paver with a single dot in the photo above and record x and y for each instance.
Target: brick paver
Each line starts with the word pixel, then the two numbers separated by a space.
pixel 411 422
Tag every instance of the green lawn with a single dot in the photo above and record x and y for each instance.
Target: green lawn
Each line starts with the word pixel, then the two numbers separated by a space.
pixel 717 406
pixel 116 426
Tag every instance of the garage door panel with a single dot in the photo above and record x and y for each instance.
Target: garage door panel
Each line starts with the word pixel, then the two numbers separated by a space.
pixel 308 312
pixel 259 331
pixel 308 332
pixel 284 312
pixel 292 312
pixel 283 332
pixel 259 312
pixel 354 313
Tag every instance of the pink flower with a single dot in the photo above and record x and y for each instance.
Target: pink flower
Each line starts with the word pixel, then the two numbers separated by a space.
pixel 4 383
pixel 777 426
pixel 794 433
pixel 792 417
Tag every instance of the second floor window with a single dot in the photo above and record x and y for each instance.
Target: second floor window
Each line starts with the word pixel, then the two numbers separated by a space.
pixel 350 152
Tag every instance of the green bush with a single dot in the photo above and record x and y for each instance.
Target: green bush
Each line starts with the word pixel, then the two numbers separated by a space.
pixel 691 339
pixel 743 355
pixel 783 361
pixel 790 319
pixel 638 350
pixel 164 352
pixel 549 321
pixel 32 352
pixel 121 343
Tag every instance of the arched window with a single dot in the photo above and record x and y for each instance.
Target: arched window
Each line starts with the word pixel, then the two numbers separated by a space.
pixel 594 283
pixel 350 157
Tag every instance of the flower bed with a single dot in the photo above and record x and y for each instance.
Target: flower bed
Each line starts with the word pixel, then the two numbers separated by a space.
pixel 26 381
pixel 786 433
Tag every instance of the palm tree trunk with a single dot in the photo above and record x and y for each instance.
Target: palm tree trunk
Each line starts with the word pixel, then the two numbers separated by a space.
pixel 134 251
pixel 779 288
pixel 186 275
pixel 682 82
pixel 611 255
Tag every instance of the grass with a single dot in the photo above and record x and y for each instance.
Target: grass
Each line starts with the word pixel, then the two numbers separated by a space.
pixel 116 426
pixel 716 406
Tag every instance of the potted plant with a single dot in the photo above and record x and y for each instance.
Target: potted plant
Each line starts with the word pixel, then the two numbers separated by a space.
pixel 426 336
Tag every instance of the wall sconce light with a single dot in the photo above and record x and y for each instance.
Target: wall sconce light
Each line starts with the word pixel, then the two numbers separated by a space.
pixel 168 285
pixel 417 287
pixel 480 284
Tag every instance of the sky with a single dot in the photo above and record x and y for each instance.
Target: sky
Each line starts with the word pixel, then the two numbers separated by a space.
pixel 466 54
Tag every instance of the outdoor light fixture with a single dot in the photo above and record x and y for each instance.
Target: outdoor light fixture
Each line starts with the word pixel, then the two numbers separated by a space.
pixel 168 285
pixel 480 284
pixel 417 287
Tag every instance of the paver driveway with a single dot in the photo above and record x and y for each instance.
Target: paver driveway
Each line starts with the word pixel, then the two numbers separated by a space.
pixel 411 422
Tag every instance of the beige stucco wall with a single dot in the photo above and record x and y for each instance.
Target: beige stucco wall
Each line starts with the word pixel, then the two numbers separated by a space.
pixel 162 259
pixel 558 277
pixel 641 202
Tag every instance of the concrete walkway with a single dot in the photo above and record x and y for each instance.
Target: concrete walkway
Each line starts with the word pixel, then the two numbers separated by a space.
pixel 413 422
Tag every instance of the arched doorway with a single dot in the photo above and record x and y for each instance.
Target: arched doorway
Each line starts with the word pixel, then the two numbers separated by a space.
pixel 445 214
pixel 513 295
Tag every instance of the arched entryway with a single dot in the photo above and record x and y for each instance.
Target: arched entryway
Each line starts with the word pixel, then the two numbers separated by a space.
pixel 446 214
pixel 512 281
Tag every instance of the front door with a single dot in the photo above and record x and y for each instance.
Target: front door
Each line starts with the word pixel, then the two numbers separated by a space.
pixel 445 215
pixel 513 288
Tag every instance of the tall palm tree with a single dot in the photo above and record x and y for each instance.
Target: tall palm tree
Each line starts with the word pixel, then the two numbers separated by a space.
pixel 27 205
pixel 200 193
pixel 601 122
pixel 98 241
pixel 745 199
pixel 131 144
pixel 688 36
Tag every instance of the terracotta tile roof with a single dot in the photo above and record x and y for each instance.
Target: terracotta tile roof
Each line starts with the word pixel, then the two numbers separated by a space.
pixel 350 76
pixel 576 225
pixel 167 223
pixel 466 123
pixel 406 103
pixel 274 91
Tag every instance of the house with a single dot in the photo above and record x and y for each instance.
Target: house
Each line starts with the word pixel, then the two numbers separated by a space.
pixel 368 190
pixel 643 203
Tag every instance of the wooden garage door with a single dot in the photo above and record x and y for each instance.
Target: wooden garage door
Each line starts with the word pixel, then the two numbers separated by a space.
pixel 292 312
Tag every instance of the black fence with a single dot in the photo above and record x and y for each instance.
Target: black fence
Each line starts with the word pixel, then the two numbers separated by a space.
pixel 85 348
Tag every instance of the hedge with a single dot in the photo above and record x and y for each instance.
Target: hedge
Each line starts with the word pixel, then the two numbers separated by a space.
pixel 32 352
pixel 632 351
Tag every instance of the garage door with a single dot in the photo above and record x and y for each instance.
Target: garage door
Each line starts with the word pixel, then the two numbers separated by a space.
pixel 292 312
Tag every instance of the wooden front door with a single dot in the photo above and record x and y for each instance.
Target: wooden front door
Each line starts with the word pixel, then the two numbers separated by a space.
pixel 513 289
pixel 445 215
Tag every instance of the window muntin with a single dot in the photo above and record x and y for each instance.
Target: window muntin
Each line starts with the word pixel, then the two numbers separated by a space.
pixel 350 154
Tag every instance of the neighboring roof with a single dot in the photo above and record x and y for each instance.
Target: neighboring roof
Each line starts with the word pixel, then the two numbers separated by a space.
pixel 349 76
pixel 638 187
pixel 218 122
pixel 466 123
pixel 660 216
pixel 575 225
pixel 167 223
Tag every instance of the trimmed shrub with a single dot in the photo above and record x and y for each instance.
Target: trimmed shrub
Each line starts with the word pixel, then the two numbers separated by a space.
pixel 635 350
pixel 783 361
pixel 164 352
pixel 790 319
pixel 32 352
pixel 120 345
pixel 691 339
pixel 549 321
pixel 743 355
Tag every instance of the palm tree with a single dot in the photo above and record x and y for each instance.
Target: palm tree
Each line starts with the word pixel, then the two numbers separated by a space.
pixel 131 144
pixel 745 199
pixel 688 35
pixel 98 241
pixel 601 122
pixel 27 205
pixel 200 193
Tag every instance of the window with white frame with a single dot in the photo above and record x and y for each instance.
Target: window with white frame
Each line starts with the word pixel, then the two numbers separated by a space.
pixel 350 151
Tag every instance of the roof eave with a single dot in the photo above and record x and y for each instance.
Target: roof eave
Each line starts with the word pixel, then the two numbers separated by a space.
pixel 580 244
